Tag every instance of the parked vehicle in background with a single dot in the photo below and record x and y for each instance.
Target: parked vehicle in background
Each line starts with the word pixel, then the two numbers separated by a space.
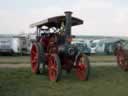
pixel 83 48
pixel 13 45
pixel 92 45
pixel 103 46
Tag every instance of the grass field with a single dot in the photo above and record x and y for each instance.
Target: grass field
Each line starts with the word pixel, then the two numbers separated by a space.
pixel 26 59
pixel 104 81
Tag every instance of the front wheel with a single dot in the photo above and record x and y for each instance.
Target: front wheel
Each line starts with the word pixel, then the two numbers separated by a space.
pixel 82 67
pixel 54 67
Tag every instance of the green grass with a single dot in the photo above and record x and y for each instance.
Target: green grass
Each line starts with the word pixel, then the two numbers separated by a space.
pixel 104 81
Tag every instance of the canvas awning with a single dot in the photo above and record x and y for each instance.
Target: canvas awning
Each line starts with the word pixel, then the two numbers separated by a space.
pixel 56 22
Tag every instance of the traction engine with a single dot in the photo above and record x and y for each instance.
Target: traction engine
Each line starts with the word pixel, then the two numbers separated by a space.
pixel 53 52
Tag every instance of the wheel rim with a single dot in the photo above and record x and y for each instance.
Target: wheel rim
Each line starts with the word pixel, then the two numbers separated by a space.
pixel 120 59
pixel 81 68
pixel 52 68
pixel 34 58
pixel 122 62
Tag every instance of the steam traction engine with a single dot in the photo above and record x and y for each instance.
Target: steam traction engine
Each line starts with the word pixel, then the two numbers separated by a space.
pixel 122 55
pixel 53 50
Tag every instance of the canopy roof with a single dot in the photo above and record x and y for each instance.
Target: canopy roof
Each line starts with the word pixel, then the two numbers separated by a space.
pixel 56 22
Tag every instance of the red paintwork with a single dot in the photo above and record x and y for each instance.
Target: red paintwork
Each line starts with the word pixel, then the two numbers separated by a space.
pixel 34 58
pixel 44 41
pixel 52 67
pixel 81 68
pixel 67 63
pixel 80 71
pixel 122 58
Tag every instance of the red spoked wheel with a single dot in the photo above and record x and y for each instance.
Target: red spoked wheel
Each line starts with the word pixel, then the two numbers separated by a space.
pixel 37 58
pixel 82 67
pixel 122 61
pixel 54 67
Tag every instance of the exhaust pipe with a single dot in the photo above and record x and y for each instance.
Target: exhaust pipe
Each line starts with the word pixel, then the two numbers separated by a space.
pixel 68 23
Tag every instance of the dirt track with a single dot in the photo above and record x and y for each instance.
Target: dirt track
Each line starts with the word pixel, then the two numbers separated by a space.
pixel 28 65
pixel 14 65
pixel 24 61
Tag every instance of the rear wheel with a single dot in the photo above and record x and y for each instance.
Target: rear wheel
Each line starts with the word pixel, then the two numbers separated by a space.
pixel 82 67
pixel 122 61
pixel 54 67
pixel 37 58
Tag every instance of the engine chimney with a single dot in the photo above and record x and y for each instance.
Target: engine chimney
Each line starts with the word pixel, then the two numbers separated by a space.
pixel 68 22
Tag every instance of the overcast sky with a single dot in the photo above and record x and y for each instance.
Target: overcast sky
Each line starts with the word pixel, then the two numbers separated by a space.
pixel 101 17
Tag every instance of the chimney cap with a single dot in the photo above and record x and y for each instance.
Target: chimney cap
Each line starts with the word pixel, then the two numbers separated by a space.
pixel 70 12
